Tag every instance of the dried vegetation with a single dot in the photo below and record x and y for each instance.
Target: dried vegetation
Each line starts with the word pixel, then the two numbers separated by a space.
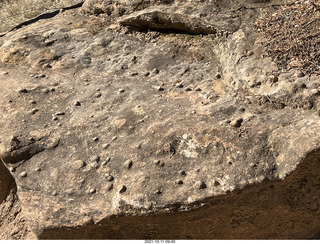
pixel 292 35
pixel 15 12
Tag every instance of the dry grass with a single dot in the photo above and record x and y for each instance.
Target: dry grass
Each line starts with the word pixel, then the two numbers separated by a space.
pixel 292 35
pixel 14 12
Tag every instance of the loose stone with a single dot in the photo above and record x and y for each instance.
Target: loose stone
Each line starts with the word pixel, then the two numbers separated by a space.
pixel 216 183
pixel 218 76
pixel 23 90
pixel 236 123
pixel 35 110
pixel 45 90
pixel 12 169
pixel 79 164
pixel 156 162
pixel 300 74
pixel 188 89
pixel 179 182
pixel 122 189
pixel 98 94
pixel 110 187
pixel 155 71
pixel 179 85
pixel 92 190
pixel 128 163
pixel 95 159
pixel 114 138
pixel 200 185
pixel 160 88
pixel 95 139
pixel 146 74
pixel 105 146
pixel 158 192
pixel 54 193
pixel 182 172
pixel 54 118
pixel 77 103
pixel 109 177
pixel 121 90
pixel 250 53
pixel 32 102
pixel 59 113
pixel 37 169
pixel 23 174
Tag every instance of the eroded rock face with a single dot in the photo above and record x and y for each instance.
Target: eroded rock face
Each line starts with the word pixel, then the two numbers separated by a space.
pixel 116 132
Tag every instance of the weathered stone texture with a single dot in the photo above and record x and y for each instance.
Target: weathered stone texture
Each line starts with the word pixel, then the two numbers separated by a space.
pixel 173 129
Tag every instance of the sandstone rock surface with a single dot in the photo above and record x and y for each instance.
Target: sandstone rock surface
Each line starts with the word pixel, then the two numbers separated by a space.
pixel 157 120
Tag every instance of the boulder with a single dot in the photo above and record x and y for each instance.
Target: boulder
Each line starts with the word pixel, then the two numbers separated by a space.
pixel 162 131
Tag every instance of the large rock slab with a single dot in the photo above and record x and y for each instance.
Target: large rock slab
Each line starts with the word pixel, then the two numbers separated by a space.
pixel 119 134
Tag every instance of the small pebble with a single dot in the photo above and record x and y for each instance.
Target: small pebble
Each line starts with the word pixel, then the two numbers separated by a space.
pixel 23 90
pixel 300 74
pixel 77 103
pixel 122 189
pixel 146 74
pixel 92 190
pixel 32 102
pixel 105 146
pixel 54 118
pixel 218 76
pixel 179 85
pixel 38 169
pixel 198 89
pixel 81 181
pixel 188 89
pixel 128 164
pixel 5 73
pixel 110 187
pixel 155 71
pixel 274 79
pixel 182 172
pixel 250 53
pixel 45 90
pixel 95 159
pixel 109 178
pixel 121 90
pixel 216 183
pixel 160 88
pixel 98 94
pixel 12 169
pixel 114 138
pixel 59 113
pixel 35 110
pixel 23 174
pixel 95 139
pixel 79 164
pixel 158 192
pixel 200 185
pixel 156 162
pixel 54 193
pixel 236 123
pixel 179 182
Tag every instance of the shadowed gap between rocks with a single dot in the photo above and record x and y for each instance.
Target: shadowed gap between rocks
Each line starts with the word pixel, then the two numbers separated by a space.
pixel 7 182
pixel 288 209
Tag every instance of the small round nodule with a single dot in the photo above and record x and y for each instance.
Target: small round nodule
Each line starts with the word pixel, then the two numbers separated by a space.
pixel 23 174
pixel 200 185
pixel 122 189
pixel 128 163
pixel 179 182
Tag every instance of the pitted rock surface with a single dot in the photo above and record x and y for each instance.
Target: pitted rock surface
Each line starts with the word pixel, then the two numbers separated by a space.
pixel 154 119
